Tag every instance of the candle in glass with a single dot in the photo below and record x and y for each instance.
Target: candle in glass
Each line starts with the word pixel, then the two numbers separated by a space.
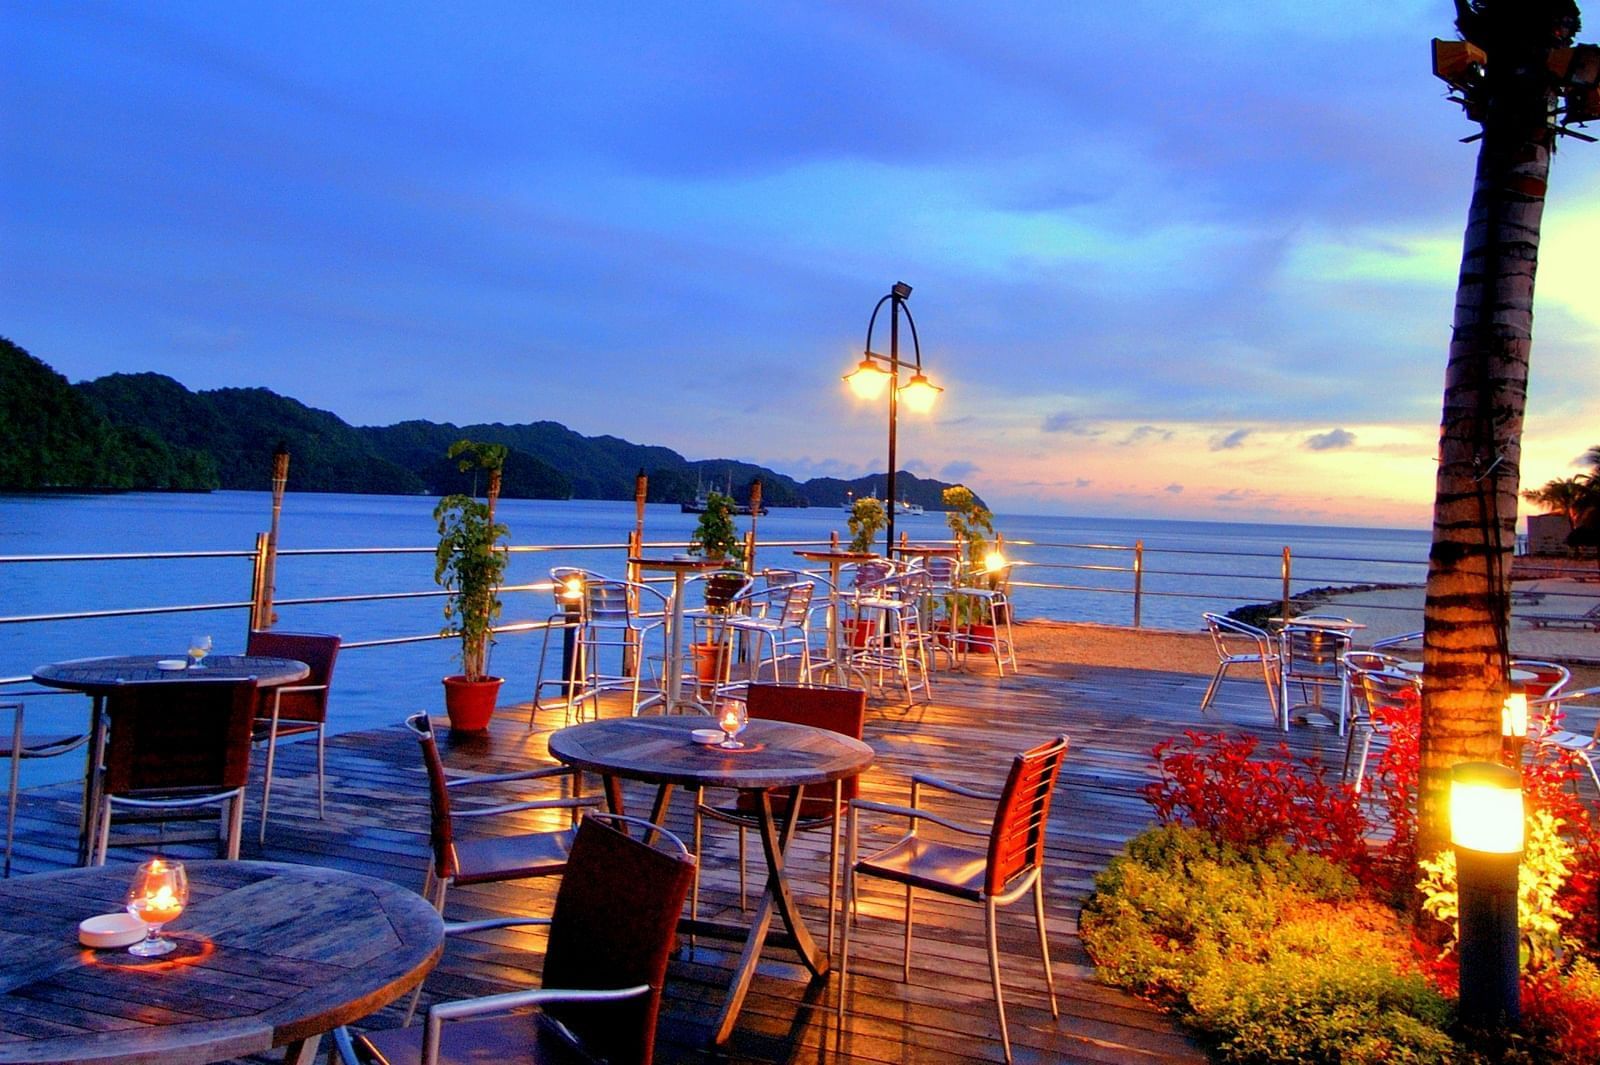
pixel 158 894
pixel 732 722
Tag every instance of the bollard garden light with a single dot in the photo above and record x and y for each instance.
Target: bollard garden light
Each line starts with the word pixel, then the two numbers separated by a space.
pixel 1486 825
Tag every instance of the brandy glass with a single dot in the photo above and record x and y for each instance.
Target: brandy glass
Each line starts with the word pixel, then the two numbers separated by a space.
pixel 732 717
pixel 199 647
pixel 158 894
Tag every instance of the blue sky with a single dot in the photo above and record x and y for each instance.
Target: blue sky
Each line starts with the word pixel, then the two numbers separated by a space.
pixel 1171 259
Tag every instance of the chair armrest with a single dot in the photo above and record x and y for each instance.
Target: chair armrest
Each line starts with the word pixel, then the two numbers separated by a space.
pixel 526 774
pixel 536 804
pixel 917 815
pixel 957 789
pixel 510 1000
pixel 460 928
pixel 288 688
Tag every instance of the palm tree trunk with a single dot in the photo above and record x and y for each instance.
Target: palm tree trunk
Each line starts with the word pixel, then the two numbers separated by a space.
pixel 1467 610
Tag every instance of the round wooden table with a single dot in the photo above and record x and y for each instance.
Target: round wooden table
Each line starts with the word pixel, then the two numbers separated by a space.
pixel 99 677
pixel 269 955
pixel 778 755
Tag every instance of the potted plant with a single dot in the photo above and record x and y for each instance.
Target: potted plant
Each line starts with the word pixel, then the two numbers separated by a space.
pixel 867 519
pixel 470 562
pixel 972 527
pixel 716 537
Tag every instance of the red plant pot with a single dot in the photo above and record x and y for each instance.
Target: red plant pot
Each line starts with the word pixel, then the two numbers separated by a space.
pixel 470 703
pixel 977 638
pixel 710 666
pixel 858 631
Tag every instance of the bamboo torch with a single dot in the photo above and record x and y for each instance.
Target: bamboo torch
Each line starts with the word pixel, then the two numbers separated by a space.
pixel 280 481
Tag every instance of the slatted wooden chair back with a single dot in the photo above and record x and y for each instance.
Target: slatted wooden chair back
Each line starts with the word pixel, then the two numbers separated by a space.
pixel 841 710
pixel 1016 841
pixel 317 650
pixel 441 835
pixel 179 736
pixel 614 925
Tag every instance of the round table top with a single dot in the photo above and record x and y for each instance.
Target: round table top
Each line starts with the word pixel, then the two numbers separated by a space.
pixel 1337 624
pixel 658 750
pixel 838 556
pixel 268 954
pixel 101 675
pixel 679 564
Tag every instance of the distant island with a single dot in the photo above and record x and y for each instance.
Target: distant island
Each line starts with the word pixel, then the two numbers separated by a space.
pixel 147 432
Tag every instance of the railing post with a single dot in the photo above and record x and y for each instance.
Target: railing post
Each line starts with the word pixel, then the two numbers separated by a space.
pixel 1288 570
pixel 1138 581
pixel 260 586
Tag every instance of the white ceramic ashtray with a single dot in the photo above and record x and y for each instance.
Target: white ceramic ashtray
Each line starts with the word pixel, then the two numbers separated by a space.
pixel 707 736
pixel 172 665
pixel 111 930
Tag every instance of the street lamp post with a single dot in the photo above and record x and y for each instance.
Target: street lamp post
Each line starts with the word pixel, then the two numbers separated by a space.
pixel 869 379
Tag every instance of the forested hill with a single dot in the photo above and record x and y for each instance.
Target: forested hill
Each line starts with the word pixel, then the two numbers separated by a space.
pixel 148 431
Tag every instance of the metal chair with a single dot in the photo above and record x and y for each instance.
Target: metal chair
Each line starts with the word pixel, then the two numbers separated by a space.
pixel 1404 639
pixel 994 604
pixel 295 709
pixel 1380 690
pixel 615 623
pixel 1359 717
pixel 776 619
pixel 175 746
pixel 611 935
pixel 842 710
pixel 1011 866
pixel 1312 656
pixel 1582 746
pixel 487 860
pixel 1240 644
pixel 1549 678
pixel 18 746
pixel 897 643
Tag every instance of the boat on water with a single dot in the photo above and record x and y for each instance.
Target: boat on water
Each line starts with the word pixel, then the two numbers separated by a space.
pixel 902 507
pixel 702 500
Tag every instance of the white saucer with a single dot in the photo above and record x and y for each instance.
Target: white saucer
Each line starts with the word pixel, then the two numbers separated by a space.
pixel 706 736
pixel 110 930
pixel 172 665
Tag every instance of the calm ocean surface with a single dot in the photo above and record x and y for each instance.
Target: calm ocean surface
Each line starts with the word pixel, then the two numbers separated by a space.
pixel 381 685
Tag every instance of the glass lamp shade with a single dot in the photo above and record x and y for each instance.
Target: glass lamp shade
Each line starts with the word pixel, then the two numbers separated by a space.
pixel 868 380
pixel 920 394
pixel 1514 714
pixel 1486 808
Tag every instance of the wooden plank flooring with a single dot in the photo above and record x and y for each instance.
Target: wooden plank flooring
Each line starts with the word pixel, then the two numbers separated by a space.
pixel 377 822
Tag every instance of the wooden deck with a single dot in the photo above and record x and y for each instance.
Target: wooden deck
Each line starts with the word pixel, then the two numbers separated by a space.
pixel 377 824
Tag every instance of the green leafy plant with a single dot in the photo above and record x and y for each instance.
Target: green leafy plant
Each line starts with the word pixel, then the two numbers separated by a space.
pixel 971 524
pixel 470 560
pixel 716 536
pixel 1546 864
pixel 867 519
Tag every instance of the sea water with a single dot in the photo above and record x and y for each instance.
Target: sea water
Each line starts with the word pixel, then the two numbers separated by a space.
pixel 1188 566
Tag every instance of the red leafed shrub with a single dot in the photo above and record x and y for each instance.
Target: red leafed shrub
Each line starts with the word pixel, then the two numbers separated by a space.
pixel 1213 782
pixel 1393 779
pixel 1562 1013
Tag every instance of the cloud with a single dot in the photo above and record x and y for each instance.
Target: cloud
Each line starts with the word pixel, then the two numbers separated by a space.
pixel 1174 489
pixel 1229 441
pixel 1063 422
pixel 1140 433
pixel 1332 440
pixel 957 471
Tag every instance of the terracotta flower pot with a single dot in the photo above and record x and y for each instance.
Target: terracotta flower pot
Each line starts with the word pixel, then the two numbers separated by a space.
pixel 858 631
pixel 470 703
pixel 710 666
pixel 977 638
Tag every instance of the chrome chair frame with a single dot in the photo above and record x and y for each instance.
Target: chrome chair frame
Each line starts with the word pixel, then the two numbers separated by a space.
pixel 612 619
pixel 1584 747
pixel 1312 656
pixel 777 619
pixel 21 748
pixel 1225 632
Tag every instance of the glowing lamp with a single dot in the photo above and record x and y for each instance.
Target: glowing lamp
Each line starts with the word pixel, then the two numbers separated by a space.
pixel 1514 715
pixel 732 721
pixel 920 393
pixel 572 588
pixel 868 380
pixel 1486 828
pixel 1486 808
pixel 994 562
